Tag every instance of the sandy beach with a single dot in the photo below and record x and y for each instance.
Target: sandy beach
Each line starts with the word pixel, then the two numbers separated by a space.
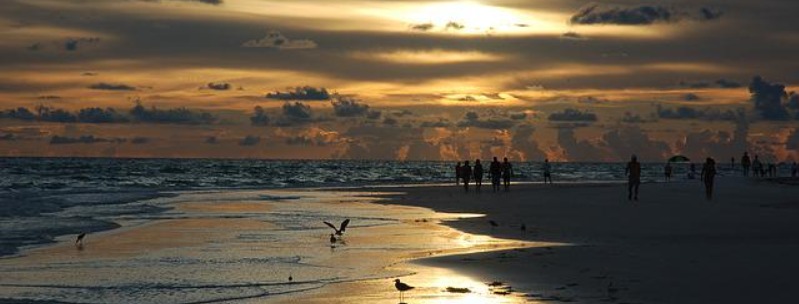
pixel 672 246
pixel 583 243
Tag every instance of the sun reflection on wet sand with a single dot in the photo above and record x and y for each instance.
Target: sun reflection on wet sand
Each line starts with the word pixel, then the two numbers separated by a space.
pixel 243 245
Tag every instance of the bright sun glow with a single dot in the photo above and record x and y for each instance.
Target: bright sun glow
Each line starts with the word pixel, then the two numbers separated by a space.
pixel 465 17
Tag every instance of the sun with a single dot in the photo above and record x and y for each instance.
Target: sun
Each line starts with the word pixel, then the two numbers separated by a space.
pixel 464 17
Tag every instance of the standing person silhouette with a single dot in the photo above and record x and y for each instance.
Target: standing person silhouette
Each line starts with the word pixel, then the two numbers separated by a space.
pixel 466 175
pixel 507 172
pixel 708 176
pixel 757 167
pixel 794 169
pixel 495 170
pixel 745 163
pixel 667 171
pixel 478 175
pixel 458 174
pixel 547 171
pixel 732 163
pixel 633 172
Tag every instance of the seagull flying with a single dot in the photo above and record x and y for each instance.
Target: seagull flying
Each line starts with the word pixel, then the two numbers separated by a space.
pixel 341 229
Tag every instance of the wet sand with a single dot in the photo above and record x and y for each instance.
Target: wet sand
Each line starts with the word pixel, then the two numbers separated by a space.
pixel 583 243
pixel 672 246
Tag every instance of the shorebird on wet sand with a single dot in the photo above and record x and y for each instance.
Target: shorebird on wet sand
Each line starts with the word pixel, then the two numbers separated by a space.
pixel 342 227
pixel 79 239
pixel 402 287
pixel 493 224
pixel 291 279
pixel 332 241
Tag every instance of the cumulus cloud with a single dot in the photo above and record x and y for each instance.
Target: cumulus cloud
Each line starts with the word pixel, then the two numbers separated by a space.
pixel 452 25
pixel 578 150
pixel 572 115
pixel 346 107
pixel 112 87
pixel 18 113
pixel 720 83
pixel 638 14
pixel 767 98
pixel 315 137
pixel 624 142
pixel 632 118
pixel 297 111
pixel 100 115
pixel 374 114
pixel 175 115
pixel 719 144
pixel 422 27
pixel 220 86
pixel 704 114
pixel 301 93
pixel 259 118
pixel 472 119
pixel 524 144
pixel 276 40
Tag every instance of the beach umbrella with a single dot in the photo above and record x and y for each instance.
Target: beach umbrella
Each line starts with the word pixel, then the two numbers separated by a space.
pixel 679 159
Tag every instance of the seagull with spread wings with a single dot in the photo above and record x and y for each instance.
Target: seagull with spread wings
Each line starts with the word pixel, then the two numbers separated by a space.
pixel 341 229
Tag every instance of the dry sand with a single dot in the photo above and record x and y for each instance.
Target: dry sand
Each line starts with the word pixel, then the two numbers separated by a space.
pixel 672 246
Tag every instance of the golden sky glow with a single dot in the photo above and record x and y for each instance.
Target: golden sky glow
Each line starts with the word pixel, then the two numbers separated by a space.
pixel 422 79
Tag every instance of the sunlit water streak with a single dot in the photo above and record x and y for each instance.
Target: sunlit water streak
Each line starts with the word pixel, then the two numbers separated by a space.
pixel 218 246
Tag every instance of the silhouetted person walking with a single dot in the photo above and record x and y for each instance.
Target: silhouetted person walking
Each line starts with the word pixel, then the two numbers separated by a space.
pixel 757 167
pixel 478 175
pixel 495 170
pixel 458 174
pixel 633 172
pixel 507 172
pixel 708 176
pixel 667 171
pixel 746 163
pixel 547 171
pixel 466 175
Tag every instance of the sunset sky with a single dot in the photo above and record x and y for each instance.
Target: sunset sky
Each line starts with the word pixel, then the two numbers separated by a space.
pixel 566 80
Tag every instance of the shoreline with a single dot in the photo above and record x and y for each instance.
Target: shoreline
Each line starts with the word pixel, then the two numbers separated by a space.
pixel 628 251
pixel 596 255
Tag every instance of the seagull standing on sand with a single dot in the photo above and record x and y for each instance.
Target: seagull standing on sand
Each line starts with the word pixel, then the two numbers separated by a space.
pixel 79 239
pixel 341 229
pixel 402 287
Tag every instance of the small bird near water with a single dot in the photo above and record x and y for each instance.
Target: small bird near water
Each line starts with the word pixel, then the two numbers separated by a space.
pixel 402 287
pixel 340 230
pixel 79 239
pixel 332 240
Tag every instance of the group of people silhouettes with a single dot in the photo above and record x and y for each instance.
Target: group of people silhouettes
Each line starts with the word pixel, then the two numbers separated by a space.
pixel 761 169
pixel 707 175
pixel 497 172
